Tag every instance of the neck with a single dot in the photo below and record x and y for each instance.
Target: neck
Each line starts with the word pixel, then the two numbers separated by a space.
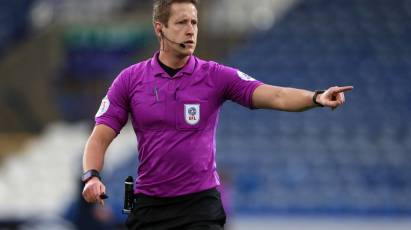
pixel 172 60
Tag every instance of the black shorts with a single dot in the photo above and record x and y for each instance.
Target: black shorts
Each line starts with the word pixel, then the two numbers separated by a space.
pixel 197 211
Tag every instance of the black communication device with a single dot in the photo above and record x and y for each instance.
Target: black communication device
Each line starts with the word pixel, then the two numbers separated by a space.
pixel 128 195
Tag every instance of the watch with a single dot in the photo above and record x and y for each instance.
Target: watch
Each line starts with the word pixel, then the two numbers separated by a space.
pixel 90 174
pixel 315 97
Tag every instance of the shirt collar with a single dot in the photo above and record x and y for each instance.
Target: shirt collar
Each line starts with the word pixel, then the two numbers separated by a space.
pixel 187 69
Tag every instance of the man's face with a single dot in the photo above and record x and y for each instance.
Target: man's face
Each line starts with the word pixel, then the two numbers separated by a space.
pixel 182 28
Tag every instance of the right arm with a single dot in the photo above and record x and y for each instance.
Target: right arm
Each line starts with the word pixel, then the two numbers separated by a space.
pixel 93 158
pixel 110 119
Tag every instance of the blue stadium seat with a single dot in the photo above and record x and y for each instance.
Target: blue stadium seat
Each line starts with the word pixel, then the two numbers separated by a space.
pixel 337 158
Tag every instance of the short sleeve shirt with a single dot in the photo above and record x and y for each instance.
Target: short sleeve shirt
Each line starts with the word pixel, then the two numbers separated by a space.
pixel 175 120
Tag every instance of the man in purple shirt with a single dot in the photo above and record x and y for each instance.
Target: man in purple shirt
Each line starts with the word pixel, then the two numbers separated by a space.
pixel 174 100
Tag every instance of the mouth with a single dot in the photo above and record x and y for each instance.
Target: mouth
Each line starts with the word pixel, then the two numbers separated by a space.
pixel 189 42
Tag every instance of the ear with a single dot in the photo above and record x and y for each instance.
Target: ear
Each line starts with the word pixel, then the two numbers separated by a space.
pixel 158 28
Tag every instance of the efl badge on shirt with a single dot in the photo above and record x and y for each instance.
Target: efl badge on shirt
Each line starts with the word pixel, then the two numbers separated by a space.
pixel 105 103
pixel 192 113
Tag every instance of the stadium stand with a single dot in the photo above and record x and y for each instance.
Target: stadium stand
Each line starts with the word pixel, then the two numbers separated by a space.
pixel 14 20
pixel 353 161
pixel 95 54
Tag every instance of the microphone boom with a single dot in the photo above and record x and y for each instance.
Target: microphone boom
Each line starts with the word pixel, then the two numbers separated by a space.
pixel 182 45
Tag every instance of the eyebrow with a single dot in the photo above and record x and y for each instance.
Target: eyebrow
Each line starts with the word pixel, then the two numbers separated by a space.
pixel 185 18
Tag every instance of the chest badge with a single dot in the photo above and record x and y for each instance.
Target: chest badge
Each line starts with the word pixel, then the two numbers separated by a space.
pixel 192 113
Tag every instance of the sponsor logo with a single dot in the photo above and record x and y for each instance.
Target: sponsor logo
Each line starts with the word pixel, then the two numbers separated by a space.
pixel 192 113
pixel 105 103
pixel 244 76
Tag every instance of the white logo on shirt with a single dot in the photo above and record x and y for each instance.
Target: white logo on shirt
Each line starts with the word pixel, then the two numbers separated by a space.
pixel 244 76
pixel 105 103
pixel 192 113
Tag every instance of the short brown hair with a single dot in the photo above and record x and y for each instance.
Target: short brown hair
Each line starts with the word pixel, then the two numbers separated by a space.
pixel 162 8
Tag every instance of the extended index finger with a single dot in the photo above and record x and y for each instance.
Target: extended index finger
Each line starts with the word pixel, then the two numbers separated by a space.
pixel 344 89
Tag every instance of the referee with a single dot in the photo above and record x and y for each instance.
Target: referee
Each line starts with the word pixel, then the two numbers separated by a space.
pixel 174 99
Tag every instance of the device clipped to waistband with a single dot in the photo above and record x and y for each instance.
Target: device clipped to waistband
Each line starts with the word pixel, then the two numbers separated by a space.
pixel 128 195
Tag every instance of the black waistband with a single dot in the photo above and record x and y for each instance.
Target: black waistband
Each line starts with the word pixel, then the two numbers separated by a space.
pixel 143 200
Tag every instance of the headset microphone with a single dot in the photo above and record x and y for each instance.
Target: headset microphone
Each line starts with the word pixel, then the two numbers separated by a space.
pixel 182 45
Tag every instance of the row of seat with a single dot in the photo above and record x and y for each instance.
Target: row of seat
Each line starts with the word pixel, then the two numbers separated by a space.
pixel 14 17
pixel 353 160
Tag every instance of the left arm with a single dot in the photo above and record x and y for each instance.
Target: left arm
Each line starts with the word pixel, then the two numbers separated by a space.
pixel 296 100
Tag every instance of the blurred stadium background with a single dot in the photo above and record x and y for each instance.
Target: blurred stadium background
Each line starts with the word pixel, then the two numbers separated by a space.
pixel 348 169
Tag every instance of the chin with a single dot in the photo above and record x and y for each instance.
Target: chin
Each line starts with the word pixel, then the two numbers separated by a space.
pixel 187 52
pixel 190 51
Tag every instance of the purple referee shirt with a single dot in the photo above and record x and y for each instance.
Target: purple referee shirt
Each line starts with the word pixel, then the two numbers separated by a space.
pixel 175 120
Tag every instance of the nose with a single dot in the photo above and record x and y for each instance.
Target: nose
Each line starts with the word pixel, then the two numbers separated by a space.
pixel 190 30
